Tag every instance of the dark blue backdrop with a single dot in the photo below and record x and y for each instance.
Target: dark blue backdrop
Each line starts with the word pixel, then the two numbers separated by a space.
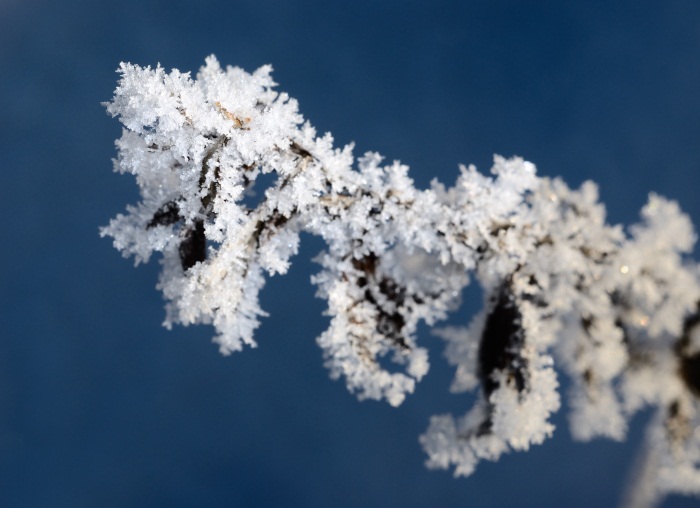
pixel 100 406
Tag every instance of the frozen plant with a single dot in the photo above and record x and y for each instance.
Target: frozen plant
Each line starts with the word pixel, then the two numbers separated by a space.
pixel 617 312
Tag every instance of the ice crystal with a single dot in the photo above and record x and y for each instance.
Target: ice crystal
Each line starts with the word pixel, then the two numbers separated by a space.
pixel 565 293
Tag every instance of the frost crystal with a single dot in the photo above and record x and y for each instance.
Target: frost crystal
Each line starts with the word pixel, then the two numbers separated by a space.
pixel 617 313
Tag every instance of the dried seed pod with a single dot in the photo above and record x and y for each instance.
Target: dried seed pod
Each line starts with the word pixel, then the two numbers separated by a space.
pixel 501 341
pixel 193 247
pixel 689 360
pixel 166 215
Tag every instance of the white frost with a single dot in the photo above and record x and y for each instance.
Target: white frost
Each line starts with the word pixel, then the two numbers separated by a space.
pixel 617 313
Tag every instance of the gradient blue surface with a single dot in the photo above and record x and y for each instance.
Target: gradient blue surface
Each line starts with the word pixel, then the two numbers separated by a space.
pixel 100 406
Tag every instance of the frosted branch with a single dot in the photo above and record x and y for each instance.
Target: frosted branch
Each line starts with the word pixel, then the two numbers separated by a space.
pixel 616 312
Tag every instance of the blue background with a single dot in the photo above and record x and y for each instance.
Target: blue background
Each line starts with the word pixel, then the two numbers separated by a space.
pixel 100 406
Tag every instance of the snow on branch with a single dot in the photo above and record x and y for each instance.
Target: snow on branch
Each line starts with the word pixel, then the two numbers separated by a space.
pixel 617 312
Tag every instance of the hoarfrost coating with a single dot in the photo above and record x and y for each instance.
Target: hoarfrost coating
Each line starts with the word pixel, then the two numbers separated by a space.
pixel 616 312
